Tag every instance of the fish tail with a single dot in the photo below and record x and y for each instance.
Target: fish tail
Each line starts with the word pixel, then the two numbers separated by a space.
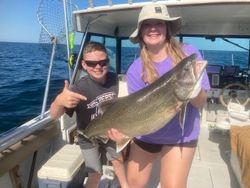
pixel 81 132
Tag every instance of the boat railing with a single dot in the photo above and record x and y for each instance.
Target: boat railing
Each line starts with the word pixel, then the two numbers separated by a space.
pixel 16 134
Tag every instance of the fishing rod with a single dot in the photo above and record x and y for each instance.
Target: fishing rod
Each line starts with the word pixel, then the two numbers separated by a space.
pixel 238 45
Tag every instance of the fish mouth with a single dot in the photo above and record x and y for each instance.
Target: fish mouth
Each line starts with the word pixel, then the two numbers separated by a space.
pixel 189 80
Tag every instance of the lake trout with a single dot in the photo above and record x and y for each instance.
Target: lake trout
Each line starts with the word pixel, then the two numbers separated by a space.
pixel 152 107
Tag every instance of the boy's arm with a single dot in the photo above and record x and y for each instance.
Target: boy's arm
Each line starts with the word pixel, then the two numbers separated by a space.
pixel 56 110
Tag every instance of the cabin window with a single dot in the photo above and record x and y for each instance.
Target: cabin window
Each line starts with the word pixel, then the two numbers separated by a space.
pixel 228 59
pixel 222 51
pixel 129 52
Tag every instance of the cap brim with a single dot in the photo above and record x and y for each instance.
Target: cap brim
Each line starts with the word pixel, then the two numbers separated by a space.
pixel 134 36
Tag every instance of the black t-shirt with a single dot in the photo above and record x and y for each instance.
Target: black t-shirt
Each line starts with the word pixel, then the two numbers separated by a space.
pixel 96 93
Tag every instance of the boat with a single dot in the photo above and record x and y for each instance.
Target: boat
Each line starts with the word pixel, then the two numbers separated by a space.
pixel 43 152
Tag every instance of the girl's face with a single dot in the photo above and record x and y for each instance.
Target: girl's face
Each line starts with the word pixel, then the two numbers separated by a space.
pixel 96 64
pixel 153 32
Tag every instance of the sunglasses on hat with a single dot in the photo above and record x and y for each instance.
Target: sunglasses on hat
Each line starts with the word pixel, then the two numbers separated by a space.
pixel 102 63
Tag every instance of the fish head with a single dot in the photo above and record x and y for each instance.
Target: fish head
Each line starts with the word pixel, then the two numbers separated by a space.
pixel 187 81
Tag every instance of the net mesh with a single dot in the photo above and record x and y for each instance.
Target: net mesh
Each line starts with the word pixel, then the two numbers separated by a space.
pixel 50 15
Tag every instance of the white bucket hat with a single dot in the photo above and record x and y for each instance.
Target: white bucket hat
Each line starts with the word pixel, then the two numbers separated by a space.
pixel 156 11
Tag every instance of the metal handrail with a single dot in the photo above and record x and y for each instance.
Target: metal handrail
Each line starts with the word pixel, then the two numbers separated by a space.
pixel 15 135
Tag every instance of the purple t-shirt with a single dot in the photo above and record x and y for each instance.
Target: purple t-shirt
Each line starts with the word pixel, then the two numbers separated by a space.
pixel 171 133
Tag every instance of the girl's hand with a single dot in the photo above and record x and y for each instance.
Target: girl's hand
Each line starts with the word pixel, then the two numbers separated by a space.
pixel 115 135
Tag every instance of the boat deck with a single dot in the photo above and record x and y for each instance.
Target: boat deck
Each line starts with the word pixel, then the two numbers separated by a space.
pixel 211 167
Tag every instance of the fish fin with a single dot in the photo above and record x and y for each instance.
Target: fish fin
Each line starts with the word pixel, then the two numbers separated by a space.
pixel 196 90
pixel 200 69
pixel 103 106
pixel 81 132
pixel 182 117
pixel 103 138
pixel 122 144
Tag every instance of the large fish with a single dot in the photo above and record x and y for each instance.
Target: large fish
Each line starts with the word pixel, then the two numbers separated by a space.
pixel 149 109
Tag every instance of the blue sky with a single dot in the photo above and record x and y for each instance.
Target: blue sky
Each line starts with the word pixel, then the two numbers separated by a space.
pixel 19 23
pixel 18 20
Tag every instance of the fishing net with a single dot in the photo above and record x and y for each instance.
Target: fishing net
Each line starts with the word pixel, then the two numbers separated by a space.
pixel 51 16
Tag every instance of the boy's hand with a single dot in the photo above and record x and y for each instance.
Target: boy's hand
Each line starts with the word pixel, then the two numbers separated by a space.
pixel 69 98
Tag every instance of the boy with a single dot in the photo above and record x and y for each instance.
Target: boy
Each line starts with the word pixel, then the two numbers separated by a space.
pixel 98 86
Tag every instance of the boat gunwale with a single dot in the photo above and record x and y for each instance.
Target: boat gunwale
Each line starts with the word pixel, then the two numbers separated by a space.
pixel 19 151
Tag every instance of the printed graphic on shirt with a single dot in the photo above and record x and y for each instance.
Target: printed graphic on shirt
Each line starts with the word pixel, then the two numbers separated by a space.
pixel 98 100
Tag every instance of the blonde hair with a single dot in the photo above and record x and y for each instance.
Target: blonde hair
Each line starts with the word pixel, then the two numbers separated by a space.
pixel 173 49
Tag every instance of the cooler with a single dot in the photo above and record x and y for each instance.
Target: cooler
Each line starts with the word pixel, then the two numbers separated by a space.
pixel 63 170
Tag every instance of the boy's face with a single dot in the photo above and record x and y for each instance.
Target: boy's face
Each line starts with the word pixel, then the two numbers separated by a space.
pixel 96 65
